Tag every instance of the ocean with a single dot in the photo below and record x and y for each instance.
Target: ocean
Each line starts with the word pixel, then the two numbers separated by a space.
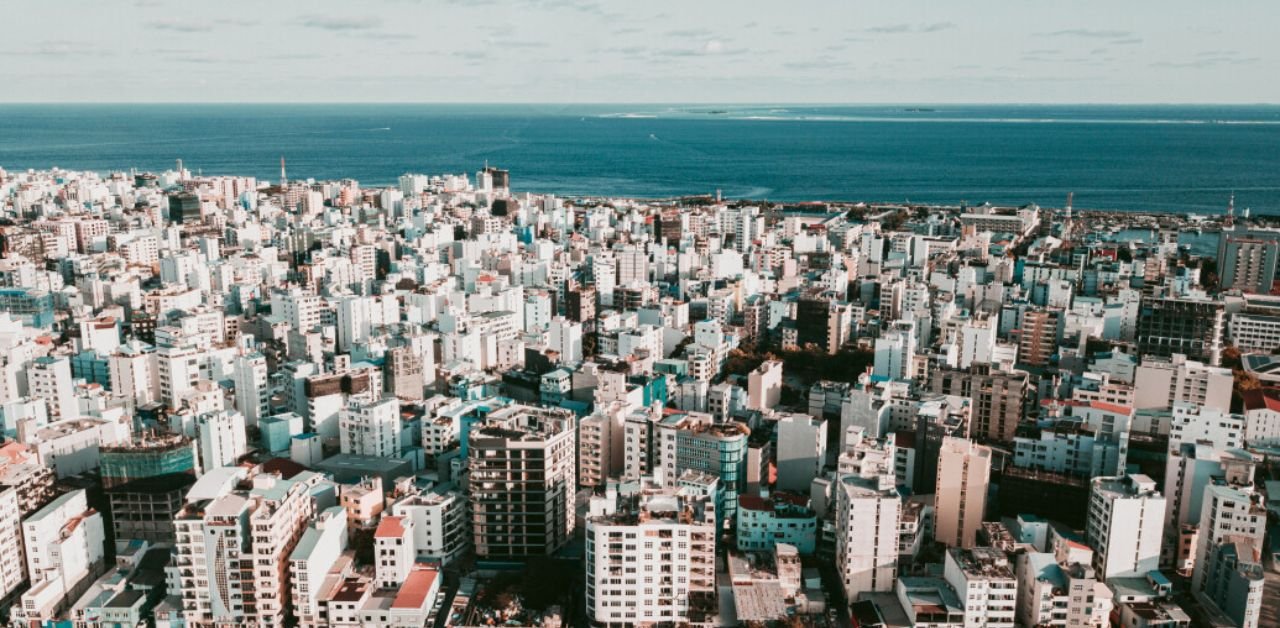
pixel 1140 158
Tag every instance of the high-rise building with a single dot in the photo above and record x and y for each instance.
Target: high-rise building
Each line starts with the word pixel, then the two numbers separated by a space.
pixel 222 438
pixel 310 562
pixel 822 320
pixel 522 478
pixel 1160 382
pixel 895 350
pixel 404 373
pixel 960 498
pixel 1229 514
pixel 65 547
pixel 937 419
pixel 231 559
pixel 134 372
pixel 442 531
pixel 184 208
pixel 370 429
pixel 252 394
pixel 802 451
pixel 393 551
pixel 1053 593
pixel 1191 468
pixel 998 395
pixel 1038 336
pixel 1125 525
pixel 651 553
pixel 1247 260
pixel 984 580
pixel 868 510
pixel 145 481
pixel 49 378
pixel 695 441
pixel 1193 327
pixel 764 386
pixel 1234 581
pixel 13 568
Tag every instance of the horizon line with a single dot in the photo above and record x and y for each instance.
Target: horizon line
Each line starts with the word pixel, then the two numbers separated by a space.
pixel 651 103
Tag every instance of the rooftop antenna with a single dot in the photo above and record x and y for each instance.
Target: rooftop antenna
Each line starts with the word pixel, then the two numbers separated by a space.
pixel 1070 197
pixel 179 169
pixel 284 181
pixel 1231 209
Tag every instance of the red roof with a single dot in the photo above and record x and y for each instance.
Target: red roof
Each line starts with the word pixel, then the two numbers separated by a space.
pixel 1258 399
pixel 905 440
pixel 283 467
pixel 389 528
pixel 791 498
pixel 413 593
pixel 1111 407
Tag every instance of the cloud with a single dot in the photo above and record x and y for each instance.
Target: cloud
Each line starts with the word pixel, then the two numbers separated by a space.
pixel 1090 33
pixel 825 62
pixel 57 49
pixel 328 23
pixel 626 50
pixel 936 27
pixel 1127 41
pixel 470 55
pixel 709 48
pixel 180 26
pixel 192 26
pixel 899 29
pixel 892 29
pixel 381 36
pixel 1208 59
pixel 688 32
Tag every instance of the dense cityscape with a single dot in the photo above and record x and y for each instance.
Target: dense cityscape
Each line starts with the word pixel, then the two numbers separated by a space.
pixel 232 402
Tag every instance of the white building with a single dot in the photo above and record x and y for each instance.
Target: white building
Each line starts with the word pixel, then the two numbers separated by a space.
pixel 651 552
pixel 1125 525
pixel 1191 423
pixel 65 547
pixel 262 525
pixel 984 580
pixel 319 549
pixel 49 378
pixel 1051 594
pixel 13 568
pixel 1164 382
pixel 394 555
pixel 802 451
pixel 135 372
pixel 764 386
pixel 867 522
pixel 1229 514
pixel 895 350
pixel 440 524
pixel 370 429
pixel 252 395
pixel 222 438
pixel 1191 468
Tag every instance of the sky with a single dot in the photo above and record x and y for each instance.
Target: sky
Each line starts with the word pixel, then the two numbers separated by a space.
pixel 641 51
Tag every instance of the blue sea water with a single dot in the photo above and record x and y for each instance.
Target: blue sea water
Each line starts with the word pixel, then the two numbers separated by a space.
pixel 1143 158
